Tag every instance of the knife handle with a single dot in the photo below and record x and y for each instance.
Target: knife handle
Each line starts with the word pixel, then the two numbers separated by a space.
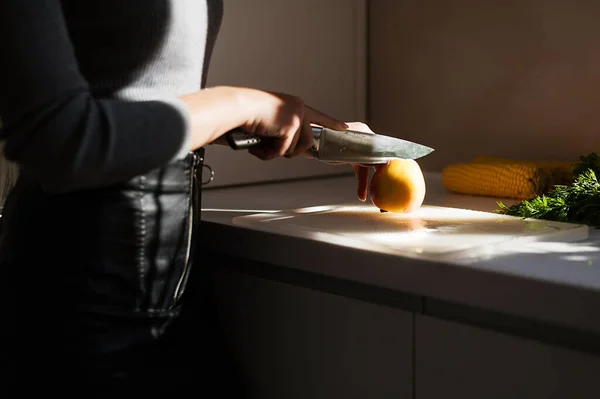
pixel 238 139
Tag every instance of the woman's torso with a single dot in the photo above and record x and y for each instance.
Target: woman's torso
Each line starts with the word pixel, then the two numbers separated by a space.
pixel 143 49
pixel 122 251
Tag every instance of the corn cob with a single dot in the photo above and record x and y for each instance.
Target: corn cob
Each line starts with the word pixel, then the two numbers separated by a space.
pixel 517 181
pixel 558 172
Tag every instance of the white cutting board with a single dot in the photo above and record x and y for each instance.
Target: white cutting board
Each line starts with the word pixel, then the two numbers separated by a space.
pixel 431 232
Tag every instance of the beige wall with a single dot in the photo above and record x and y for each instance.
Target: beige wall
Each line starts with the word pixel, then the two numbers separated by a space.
pixel 311 48
pixel 471 77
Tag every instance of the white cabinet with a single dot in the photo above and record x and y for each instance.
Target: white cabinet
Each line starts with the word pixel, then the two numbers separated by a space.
pixel 292 342
pixel 311 48
pixel 460 361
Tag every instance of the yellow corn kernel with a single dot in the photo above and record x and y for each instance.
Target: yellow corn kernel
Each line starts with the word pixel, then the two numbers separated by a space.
pixel 558 172
pixel 517 181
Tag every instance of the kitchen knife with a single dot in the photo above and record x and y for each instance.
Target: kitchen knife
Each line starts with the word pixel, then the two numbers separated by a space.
pixel 347 146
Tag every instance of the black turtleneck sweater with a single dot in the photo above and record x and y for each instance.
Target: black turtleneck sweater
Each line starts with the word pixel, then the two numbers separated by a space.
pixel 88 89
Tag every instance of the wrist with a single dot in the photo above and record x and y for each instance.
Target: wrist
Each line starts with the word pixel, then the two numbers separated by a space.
pixel 216 110
pixel 245 100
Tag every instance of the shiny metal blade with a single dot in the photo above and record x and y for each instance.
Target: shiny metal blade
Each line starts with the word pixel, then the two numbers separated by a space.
pixel 359 147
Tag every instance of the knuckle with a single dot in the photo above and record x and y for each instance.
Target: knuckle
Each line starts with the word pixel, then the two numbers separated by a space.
pixel 294 113
pixel 296 123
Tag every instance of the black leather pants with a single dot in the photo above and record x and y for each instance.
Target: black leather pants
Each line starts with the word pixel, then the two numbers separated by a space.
pixel 97 277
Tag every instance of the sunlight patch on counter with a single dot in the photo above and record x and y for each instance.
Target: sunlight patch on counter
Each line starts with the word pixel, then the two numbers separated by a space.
pixel 239 210
pixel 431 232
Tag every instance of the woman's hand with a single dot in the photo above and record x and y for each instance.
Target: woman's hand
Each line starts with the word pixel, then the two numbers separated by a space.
pixel 360 170
pixel 283 118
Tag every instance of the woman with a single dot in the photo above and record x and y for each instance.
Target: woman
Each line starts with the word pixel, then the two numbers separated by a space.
pixel 103 109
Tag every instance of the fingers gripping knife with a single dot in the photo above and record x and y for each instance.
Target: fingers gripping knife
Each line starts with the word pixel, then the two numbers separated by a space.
pixel 346 146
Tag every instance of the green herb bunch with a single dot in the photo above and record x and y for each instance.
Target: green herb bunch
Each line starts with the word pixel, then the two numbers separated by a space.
pixel 578 202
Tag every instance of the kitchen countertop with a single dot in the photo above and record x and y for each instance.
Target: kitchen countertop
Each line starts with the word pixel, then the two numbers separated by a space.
pixel 539 286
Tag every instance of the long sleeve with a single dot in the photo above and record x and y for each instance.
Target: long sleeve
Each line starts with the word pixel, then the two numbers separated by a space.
pixel 53 126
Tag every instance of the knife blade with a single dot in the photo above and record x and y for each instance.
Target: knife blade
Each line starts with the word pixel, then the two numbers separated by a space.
pixel 348 146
